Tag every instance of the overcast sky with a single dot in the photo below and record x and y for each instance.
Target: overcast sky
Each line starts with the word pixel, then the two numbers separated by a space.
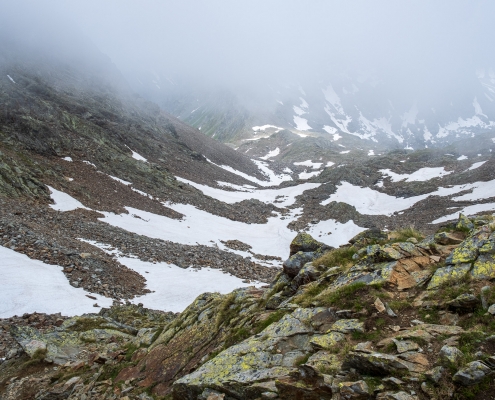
pixel 246 39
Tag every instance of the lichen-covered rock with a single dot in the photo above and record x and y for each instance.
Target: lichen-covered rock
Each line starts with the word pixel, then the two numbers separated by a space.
pixel 471 374
pixel 308 273
pixel 446 238
pixel 484 267
pixel 59 347
pixel 465 301
pixel 464 223
pixel 306 243
pixel 435 374
pixel 296 262
pixel 376 363
pixel 450 354
pixel 348 326
pixel 358 390
pixel 448 274
pixel 259 358
pixel 405 345
pixel 325 361
pixel 367 237
pixel 327 341
pixel 396 396
pixel 305 384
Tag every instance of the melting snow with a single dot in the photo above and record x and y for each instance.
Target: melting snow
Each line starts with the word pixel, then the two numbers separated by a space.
pixel 334 233
pixel 331 130
pixel 274 179
pixel 264 127
pixel 329 164
pixel 469 210
pixel 309 163
pixel 67 159
pixel 345 152
pixel 63 202
pixel 371 152
pixel 462 158
pixel 89 163
pixel 31 285
pixel 8 76
pixel 174 288
pixel 286 196
pixel 476 165
pixel 271 154
pixel 301 123
pixel 423 174
pixel 137 156
pixel 307 175
pixel 120 180
pixel 371 202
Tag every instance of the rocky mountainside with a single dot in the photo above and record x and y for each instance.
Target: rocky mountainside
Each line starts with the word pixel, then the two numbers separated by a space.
pixel 388 316
pixel 143 259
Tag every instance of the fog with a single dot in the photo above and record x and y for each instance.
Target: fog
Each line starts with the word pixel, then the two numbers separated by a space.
pixel 260 40
pixel 421 48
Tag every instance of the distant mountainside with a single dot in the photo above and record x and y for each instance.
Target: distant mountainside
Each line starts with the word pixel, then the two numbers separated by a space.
pixel 370 107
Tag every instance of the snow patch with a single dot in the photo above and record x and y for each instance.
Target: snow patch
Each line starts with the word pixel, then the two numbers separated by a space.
pixel 307 175
pixel 137 156
pixel 271 154
pixel 462 158
pixel 265 127
pixel 309 163
pixel 8 76
pixel 421 175
pixel 476 165
pixel 284 197
pixel 301 123
pixel 67 159
pixel 64 202
pixel 32 286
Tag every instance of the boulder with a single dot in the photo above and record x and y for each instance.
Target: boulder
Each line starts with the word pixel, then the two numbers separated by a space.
pixel 396 396
pixel 435 374
pixel 465 301
pixel 447 238
pixel 405 345
pixel 348 326
pixel 354 390
pixel 376 363
pixel 450 354
pixel 367 237
pixel 324 361
pixel 296 262
pixel 326 341
pixel 308 273
pixel 471 374
pixel 464 223
pixel 306 243
pixel 484 267
pixel 305 384
pixel 448 274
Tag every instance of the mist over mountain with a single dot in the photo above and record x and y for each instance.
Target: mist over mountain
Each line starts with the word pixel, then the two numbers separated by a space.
pixel 247 200
pixel 403 75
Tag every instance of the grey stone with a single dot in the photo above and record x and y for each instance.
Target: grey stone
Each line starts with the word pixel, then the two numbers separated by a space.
pixel 471 374
pixel 451 354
